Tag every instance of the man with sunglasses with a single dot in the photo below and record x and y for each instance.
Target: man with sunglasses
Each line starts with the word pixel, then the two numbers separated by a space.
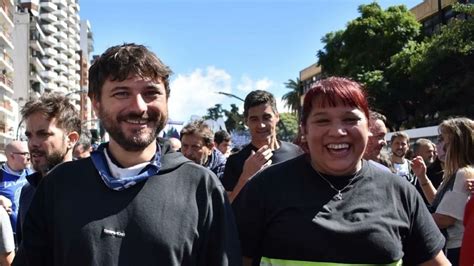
pixel 13 176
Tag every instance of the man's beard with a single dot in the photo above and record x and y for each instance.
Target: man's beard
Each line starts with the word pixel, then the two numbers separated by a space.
pixel 53 159
pixel 136 142
pixel 400 153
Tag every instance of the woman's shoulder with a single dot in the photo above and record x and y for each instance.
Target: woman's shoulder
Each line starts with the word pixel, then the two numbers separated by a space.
pixel 466 172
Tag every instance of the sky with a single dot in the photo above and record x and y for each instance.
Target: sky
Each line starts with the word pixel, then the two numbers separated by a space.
pixel 231 46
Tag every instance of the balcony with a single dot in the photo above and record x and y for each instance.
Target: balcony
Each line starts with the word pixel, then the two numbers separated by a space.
pixel 48 6
pixel 6 83
pixel 73 70
pixel 50 52
pixel 5 40
pixel 62 80
pixel 60 3
pixel 51 86
pixel 49 62
pixel 50 40
pixel 61 36
pixel 49 75
pixel 71 20
pixel 36 45
pixel 61 68
pixel 49 28
pixel 6 15
pixel 6 62
pixel 60 14
pixel 60 46
pixel 49 17
pixel 61 58
pixel 36 62
pixel 36 78
pixel 7 107
pixel 61 25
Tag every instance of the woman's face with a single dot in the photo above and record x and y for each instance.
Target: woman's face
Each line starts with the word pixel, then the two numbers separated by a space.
pixel 336 138
pixel 442 146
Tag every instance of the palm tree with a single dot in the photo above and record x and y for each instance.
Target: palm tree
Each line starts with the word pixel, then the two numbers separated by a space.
pixel 293 97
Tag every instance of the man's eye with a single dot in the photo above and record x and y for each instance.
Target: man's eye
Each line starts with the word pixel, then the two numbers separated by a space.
pixel 120 94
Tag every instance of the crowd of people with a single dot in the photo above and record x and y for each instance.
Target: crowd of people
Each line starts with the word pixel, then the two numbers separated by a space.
pixel 333 197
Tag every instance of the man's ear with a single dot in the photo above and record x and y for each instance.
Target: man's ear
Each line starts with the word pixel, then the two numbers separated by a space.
pixel 95 105
pixel 72 139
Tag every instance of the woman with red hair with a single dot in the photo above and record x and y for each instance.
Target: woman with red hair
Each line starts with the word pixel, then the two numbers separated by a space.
pixel 329 205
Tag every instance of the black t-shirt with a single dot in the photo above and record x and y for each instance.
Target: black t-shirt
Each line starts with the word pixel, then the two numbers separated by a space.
pixel 287 212
pixel 235 163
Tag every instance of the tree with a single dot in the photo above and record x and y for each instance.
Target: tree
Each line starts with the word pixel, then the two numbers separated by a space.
pixel 291 124
pixel 214 112
pixel 293 97
pixel 363 52
pixel 235 120
pixel 440 71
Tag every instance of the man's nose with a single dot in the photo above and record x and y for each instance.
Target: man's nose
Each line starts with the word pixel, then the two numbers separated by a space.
pixel 139 104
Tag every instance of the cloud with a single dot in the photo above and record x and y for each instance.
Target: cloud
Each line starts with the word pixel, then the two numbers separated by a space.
pixel 193 93
pixel 247 85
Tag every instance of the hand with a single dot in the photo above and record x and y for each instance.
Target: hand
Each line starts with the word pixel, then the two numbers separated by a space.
pixel 419 168
pixel 6 203
pixel 257 161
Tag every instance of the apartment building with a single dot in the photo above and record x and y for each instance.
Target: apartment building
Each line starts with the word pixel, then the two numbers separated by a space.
pixel 8 106
pixel 47 56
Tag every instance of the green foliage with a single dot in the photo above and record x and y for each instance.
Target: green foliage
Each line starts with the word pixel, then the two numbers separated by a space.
pixel 214 112
pixel 413 81
pixel 368 41
pixel 288 127
pixel 234 121
pixel 293 97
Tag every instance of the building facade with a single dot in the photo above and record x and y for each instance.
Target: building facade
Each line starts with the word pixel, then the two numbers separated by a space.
pixel 42 42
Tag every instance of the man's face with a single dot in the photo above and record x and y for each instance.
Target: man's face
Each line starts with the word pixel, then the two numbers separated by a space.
pixel 262 122
pixel 193 148
pixel 224 147
pixel 376 141
pixel 133 111
pixel 400 147
pixel 47 143
pixel 427 152
pixel 19 158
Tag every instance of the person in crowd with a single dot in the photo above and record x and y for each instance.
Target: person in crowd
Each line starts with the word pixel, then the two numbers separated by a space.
pixel 330 206
pixel 13 175
pixel 401 165
pixel 426 149
pixel 261 117
pixel 449 200
pixel 131 202
pixel 467 246
pixel 197 144
pixel 435 170
pixel 376 141
pixel 223 142
pixel 53 127
pixel 175 144
pixel 83 147
pixel 7 241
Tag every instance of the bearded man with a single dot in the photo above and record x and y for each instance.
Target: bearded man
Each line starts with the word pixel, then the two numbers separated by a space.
pixel 132 202
pixel 53 127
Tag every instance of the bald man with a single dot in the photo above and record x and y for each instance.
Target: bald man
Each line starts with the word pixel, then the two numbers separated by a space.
pixel 13 175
